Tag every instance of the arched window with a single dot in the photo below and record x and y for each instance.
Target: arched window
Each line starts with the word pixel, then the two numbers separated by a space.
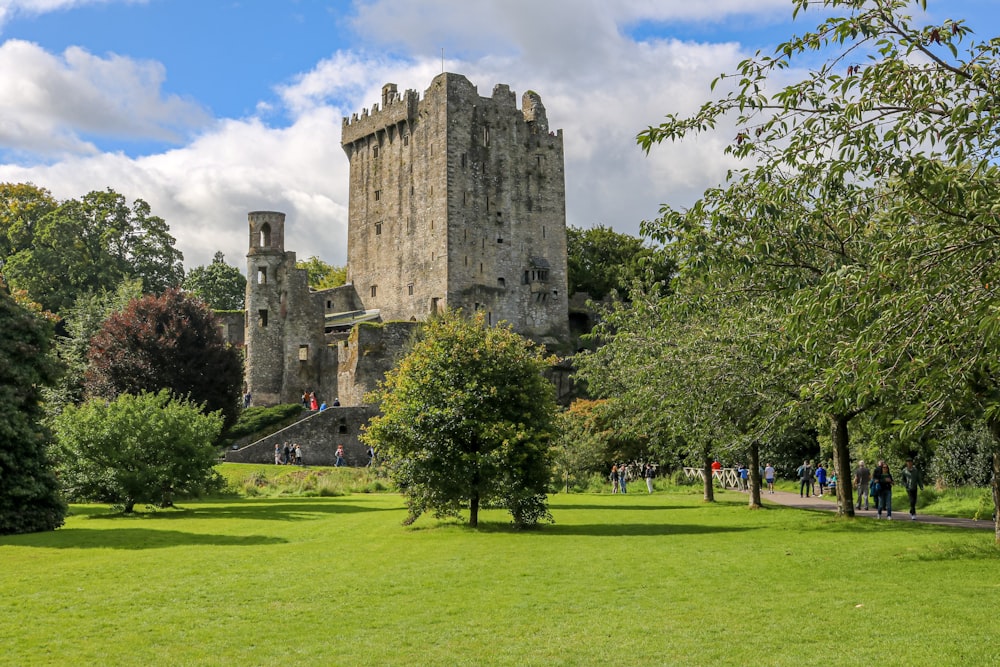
pixel 265 235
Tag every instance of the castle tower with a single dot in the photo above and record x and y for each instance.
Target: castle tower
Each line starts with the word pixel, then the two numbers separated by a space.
pixel 284 325
pixel 458 201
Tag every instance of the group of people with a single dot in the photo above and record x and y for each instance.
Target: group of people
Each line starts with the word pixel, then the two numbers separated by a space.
pixel 287 454
pixel 876 485
pixel 810 476
pixel 310 402
pixel 623 473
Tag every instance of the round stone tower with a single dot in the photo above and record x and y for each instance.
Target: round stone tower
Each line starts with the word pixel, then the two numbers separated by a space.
pixel 265 307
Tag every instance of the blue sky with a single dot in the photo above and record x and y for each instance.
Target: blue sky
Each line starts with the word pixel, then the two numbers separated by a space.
pixel 211 109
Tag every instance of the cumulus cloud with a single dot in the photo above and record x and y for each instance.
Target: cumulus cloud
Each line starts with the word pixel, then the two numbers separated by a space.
pixel 599 85
pixel 50 103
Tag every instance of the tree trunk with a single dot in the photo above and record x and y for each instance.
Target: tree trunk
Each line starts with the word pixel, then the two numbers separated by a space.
pixel 994 427
pixel 754 475
pixel 474 510
pixel 707 474
pixel 842 464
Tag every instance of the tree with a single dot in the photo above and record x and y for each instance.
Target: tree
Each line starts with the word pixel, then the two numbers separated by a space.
pixel 601 260
pixel 467 417
pixel 81 322
pixel 22 205
pixel 29 491
pixel 580 449
pixel 166 342
pixel 219 285
pixel 91 244
pixel 881 157
pixel 143 448
pixel 322 275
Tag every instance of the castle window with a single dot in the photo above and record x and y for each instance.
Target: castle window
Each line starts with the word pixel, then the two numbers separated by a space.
pixel 499 218
pixel 527 277
pixel 406 139
pixel 303 353
pixel 378 195
pixel 409 289
pixel 329 304
pixel 262 318
pixel 489 318
pixel 499 240
pixel 375 152
pixel 464 159
pixel 261 275
pixel 543 231
pixel 501 282
pixel 265 236
pixel 374 290
pixel 480 267
pixel 486 136
pixel 378 229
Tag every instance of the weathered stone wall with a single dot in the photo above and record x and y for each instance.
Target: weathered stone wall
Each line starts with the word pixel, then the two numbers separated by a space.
pixel 368 354
pixel 460 203
pixel 231 326
pixel 319 435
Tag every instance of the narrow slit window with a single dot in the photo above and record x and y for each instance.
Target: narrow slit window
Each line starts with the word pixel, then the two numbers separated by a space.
pixel 262 318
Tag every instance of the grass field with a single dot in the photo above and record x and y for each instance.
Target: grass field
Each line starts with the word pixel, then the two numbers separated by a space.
pixel 636 579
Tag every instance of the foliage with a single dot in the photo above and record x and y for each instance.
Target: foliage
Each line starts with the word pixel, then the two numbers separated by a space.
pixel 963 457
pixel 29 492
pixel 601 260
pixel 261 421
pixel 81 322
pixel 467 417
pixel 322 275
pixel 581 444
pixel 264 480
pixel 219 285
pixel 166 342
pixel 866 207
pixel 22 205
pixel 86 245
pixel 143 448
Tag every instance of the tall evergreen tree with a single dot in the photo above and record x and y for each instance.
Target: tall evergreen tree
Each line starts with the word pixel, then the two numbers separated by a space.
pixel 29 491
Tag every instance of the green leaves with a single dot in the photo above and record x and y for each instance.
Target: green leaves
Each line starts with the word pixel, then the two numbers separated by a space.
pixel 467 417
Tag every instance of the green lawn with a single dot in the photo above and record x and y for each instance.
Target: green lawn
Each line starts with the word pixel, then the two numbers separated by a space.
pixel 636 579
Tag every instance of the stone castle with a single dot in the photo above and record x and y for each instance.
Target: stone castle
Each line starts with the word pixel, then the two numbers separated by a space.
pixel 455 201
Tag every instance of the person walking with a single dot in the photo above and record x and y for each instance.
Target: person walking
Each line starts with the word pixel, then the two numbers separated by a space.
pixel 340 456
pixel 298 455
pixel 913 482
pixel 744 476
pixel 821 478
pixel 805 473
pixel 277 454
pixel 882 480
pixel 862 477
pixel 769 477
pixel 614 478
pixel 623 477
pixel 648 473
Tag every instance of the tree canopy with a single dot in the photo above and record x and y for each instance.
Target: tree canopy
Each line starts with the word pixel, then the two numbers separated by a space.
pixel 57 252
pixel 166 342
pixel 143 448
pixel 221 286
pixel 29 492
pixel 322 275
pixel 601 260
pixel 865 211
pixel 467 419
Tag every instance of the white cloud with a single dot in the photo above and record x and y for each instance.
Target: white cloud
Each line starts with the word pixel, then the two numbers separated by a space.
pixel 49 103
pixel 599 86
pixel 11 8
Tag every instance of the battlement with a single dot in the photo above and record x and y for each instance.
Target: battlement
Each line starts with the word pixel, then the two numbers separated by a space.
pixel 395 109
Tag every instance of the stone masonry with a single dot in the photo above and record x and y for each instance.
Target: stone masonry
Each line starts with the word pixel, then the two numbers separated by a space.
pixel 456 201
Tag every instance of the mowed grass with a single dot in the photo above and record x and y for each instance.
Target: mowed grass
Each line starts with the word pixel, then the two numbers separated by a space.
pixel 635 579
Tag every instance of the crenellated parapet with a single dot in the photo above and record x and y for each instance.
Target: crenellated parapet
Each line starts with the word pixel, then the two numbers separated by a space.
pixel 395 109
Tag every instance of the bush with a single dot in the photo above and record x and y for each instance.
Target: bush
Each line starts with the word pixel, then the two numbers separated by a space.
pixel 261 422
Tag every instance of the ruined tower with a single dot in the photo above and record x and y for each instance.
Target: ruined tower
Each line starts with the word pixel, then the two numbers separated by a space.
pixel 284 322
pixel 458 201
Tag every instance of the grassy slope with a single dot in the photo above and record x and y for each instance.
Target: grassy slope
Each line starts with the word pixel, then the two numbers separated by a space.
pixel 635 579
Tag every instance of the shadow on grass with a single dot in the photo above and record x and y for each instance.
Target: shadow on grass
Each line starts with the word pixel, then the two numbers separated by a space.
pixel 137 539
pixel 615 508
pixel 609 530
pixel 257 510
